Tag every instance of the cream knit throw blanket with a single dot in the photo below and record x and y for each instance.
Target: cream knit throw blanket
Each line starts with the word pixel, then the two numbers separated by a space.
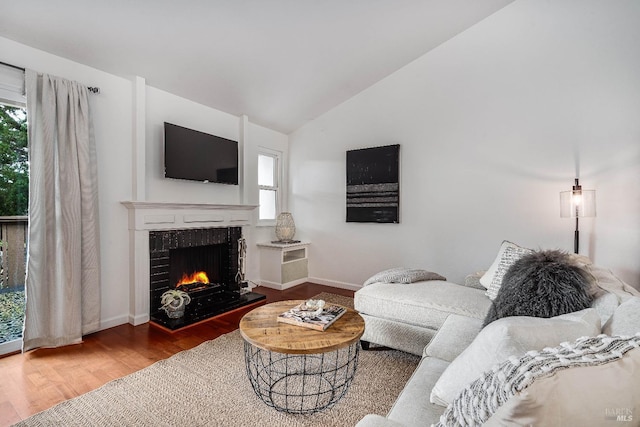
pixel 475 404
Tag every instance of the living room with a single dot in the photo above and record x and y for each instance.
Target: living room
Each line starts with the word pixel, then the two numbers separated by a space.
pixel 488 141
pixel 493 124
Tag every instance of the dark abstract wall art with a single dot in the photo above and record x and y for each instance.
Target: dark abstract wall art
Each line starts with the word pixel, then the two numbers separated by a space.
pixel 373 188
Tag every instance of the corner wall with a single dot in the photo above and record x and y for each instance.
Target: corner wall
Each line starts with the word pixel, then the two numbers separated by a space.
pixel 492 124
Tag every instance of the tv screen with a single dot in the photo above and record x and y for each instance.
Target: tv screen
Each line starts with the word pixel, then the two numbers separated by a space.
pixel 198 156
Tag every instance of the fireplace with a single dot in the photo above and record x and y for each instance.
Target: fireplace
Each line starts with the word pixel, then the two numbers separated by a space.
pixel 202 262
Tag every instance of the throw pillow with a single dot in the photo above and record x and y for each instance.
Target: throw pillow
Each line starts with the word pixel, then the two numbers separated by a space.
pixel 542 284
pixel 606 281
pixel 592 381
pixel 504 338
pixel 403 275
pixel 508 254
pixel 606 305
pixel 473 280
pixel 625 319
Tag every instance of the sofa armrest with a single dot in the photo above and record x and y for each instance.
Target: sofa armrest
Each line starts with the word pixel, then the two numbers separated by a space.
pixel 373 420
pixel 455 334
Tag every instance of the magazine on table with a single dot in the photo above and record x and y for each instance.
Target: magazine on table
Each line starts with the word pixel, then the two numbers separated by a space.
pixel 301 316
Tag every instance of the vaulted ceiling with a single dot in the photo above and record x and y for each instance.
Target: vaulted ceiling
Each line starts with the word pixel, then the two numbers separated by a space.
pixel 281 62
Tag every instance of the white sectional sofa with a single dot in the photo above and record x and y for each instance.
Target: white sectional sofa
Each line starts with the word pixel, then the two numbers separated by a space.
pixel 442 322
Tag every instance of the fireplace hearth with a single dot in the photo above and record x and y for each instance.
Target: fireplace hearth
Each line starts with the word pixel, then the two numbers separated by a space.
pixel 202 262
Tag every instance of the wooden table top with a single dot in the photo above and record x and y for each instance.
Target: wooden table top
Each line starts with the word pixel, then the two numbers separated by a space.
pixel 260 328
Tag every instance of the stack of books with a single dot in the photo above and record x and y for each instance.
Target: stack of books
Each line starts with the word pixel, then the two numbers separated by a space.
pixel 301 316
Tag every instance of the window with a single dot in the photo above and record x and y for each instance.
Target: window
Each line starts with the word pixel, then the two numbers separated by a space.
pixel 12 90
pixel 14 204
pixel 269 176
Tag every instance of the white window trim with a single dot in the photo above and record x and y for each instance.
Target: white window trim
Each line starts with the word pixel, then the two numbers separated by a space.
pixel 278 183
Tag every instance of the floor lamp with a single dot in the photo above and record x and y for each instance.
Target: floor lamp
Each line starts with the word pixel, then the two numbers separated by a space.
pixel 577 203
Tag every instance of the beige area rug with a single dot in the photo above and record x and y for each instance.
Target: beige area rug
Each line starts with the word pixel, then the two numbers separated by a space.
pixel 208 386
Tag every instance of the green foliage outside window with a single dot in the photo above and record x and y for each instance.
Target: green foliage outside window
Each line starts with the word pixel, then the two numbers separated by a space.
pixel 14 163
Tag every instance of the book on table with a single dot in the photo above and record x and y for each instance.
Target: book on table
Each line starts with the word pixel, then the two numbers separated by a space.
pixel 320 322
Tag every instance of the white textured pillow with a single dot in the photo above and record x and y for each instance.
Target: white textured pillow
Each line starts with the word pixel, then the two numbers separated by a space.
pixel 625 319
pixel 508 254
pixel 506 337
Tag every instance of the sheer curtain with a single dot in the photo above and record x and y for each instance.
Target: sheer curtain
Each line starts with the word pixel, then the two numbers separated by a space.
pixel 63 266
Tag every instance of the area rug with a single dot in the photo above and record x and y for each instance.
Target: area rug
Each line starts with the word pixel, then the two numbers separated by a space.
pixel 208 386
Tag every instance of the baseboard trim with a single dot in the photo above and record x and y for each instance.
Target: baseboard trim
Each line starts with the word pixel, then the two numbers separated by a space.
pixel 282 286
pixel 334 283
pixel 113 321
pixel 138 320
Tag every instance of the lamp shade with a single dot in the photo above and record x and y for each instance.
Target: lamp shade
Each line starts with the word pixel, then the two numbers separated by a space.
pixel 578 203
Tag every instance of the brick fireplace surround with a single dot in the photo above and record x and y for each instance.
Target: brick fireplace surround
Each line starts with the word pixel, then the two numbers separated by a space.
pixel 146 217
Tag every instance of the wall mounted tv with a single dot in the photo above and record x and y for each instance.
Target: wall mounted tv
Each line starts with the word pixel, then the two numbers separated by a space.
pixel 198 156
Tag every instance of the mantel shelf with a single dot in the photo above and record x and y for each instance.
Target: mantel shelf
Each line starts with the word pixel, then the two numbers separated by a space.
pixel 173 205
pixel 145 215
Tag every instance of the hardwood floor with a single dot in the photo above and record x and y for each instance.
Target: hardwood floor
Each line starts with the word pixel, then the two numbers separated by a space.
pixel 35 381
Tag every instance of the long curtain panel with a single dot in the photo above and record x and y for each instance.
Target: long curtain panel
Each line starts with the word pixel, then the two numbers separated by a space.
pixel 63 266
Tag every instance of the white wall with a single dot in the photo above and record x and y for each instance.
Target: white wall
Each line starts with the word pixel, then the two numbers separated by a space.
pixel 164 107
pixel 493 124
pixel 115 118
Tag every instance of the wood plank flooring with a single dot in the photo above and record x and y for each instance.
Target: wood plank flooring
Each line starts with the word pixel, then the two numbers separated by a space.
pixel 33 382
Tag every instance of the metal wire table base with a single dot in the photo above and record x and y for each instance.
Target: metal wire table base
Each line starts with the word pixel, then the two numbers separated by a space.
pixel 301 383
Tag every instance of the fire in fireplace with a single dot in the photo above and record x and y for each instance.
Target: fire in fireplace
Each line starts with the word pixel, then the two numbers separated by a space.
pixel 193 281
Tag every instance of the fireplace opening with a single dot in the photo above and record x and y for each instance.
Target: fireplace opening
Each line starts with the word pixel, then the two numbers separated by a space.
pixel 202 262
pixel 196 268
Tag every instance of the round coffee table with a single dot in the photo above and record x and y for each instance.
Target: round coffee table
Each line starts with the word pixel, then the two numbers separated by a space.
pixel 296 369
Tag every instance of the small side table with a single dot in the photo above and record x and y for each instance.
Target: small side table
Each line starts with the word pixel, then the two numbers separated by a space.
pixel 283 265
pixel 295 369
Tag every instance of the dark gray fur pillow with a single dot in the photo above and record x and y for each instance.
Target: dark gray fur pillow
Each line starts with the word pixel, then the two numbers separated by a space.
pixel 542 284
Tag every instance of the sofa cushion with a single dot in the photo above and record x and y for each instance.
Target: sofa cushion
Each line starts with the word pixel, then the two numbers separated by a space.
pixel 411 408
pixel 375 420
pixel 625 319
pixel 510 336
pixel 508 254
pixel 455 335
pixel 593 381
pixel 423 304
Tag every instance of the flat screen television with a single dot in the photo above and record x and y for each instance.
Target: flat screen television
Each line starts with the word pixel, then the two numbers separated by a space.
pixel 198 156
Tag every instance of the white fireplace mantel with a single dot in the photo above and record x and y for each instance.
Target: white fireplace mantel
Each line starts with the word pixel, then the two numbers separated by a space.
pixel 149 216
pixel 176 216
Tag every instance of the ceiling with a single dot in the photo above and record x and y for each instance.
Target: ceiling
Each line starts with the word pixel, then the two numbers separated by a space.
pixel 280 62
